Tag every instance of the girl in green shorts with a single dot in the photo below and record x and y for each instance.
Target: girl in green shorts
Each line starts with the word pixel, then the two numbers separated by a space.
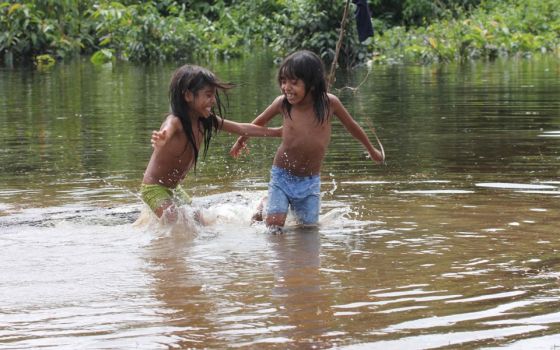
pixel 194 94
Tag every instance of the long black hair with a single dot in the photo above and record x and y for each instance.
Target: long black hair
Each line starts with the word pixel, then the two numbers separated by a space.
pixel 191 78
pixel 308 67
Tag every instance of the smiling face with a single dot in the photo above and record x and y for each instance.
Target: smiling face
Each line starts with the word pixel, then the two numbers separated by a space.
pixel 294 90
pixel 202 101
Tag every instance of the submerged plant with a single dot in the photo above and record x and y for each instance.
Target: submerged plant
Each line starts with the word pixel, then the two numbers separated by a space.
pixel 44 62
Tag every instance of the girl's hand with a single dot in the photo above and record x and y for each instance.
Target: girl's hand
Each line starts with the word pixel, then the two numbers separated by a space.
pixel 238 148
pixel 158 138
pixel 377 156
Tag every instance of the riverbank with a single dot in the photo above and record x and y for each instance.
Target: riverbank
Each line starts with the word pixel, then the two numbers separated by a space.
pixel 494 29
pixel 158 31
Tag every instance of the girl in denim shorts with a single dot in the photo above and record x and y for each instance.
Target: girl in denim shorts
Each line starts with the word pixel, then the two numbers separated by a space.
pixel 307 111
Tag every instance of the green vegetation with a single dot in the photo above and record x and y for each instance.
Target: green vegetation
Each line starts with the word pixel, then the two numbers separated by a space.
pixel 47 27
pixel 408 31
pixel 493 29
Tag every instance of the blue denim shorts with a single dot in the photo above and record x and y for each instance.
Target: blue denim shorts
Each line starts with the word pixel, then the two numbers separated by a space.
pixel 301 193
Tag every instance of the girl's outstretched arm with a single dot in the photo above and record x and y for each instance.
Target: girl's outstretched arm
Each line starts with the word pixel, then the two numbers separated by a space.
pixel 354 128
pixel 263 119
pixel 248 129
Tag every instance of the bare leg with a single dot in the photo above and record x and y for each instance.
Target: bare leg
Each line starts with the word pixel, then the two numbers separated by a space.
pixel 168 211
pixel 198 217
pixel 258 215
pixel 275 230
pixel 275 222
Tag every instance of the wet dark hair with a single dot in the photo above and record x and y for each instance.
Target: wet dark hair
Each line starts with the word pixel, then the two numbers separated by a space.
pixel 194 78
pixel 308 67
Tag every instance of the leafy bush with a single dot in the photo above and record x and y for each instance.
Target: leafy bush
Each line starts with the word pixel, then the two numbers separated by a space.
pixel 42 27
pixel 314 25
pixel 410 13
pixel 494 29
pixel 418 31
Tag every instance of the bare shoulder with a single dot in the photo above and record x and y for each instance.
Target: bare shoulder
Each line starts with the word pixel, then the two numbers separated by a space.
pixel 335 104
pixel 334 100
pixel 172 124
pixel 277 103
pixel 273 109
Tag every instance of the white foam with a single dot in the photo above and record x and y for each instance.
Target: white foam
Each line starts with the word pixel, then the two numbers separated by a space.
pixel 507 185
pixel 436 192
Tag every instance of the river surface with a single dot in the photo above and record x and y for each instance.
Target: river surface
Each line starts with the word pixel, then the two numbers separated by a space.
pixel 452 244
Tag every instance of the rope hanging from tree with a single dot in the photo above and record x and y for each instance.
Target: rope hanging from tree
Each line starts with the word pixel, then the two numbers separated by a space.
pixel 332 78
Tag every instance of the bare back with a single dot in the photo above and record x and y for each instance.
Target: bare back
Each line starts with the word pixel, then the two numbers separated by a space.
pixel 171 161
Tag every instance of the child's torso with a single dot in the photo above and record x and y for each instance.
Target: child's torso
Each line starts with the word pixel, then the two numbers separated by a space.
pixel 304 142
pixel 170 164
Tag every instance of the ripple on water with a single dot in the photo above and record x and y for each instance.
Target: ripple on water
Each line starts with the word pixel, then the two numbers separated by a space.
pixel 446 339
pixel 435 192
pixel 515 186
pixel 550 134
pixel 450 320
pixel 78 281
pixel 126 285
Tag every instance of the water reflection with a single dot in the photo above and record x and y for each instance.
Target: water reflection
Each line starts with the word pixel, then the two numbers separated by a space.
pixel 179 288
pixel 300 291
pixel 452 244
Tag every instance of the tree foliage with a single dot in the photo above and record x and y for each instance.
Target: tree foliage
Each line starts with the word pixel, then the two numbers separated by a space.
pixel 163 30
pixel 494 29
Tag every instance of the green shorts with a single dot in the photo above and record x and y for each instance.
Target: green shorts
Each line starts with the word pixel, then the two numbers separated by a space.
pixel 155 195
